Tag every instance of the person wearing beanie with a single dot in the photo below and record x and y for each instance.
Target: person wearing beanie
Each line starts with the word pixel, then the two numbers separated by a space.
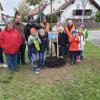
pixel 73 48
pixel 34 43
pixel 10 40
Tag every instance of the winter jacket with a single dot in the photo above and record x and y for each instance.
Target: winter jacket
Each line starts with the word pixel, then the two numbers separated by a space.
pixel 82 42
pixel 63 39
pixel 27 29
pixel 10 41
pixel 34 43
pixel 43 44
pixel 69 31
pixel 85 33
pixel 20 27
pixel 74 43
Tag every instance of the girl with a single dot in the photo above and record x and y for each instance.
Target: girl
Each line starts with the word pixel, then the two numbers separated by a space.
pixel 74 42
pixel 81 45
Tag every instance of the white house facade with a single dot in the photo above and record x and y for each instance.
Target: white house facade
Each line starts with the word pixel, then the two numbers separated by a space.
pixel 74 11
pixel 55 5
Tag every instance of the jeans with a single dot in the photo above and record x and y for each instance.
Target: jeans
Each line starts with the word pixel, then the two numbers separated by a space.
pixel 1 56
pixel 81 54
pixel 34 61
pixel 21 54
pixel 29 53
pixel 11 61
pixel 73 56
pixel 41 58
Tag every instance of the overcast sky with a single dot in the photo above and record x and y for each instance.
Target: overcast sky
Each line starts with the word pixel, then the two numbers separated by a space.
pixel 9 5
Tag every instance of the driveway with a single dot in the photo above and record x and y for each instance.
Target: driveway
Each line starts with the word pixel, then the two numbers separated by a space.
pixel 94 37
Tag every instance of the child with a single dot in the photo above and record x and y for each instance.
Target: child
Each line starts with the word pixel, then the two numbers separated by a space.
pixel 81 45
pixel 74 42
pixel 62 41
pixel 33 42
pixel 43 47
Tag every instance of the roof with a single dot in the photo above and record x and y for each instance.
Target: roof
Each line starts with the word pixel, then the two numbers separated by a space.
pixel 1 8
pixel 38 9
pixel 67 3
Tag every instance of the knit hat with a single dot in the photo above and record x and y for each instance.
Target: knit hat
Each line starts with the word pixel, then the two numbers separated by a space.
pixel 74 31
pixel 33 30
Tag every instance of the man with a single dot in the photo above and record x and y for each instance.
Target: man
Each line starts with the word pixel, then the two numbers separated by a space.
pixel 29 25
pixel 20 27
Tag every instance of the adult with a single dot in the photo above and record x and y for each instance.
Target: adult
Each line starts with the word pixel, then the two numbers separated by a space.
pixel 47 27
pixel 29 25
pixel 56 31
pixel 10 41
pixel 20 27
pixel 69 27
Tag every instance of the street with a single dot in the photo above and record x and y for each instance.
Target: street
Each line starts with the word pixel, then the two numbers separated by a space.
pixel 94 37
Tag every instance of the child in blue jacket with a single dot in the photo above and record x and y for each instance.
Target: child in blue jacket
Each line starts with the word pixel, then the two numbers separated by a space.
pixel 43 47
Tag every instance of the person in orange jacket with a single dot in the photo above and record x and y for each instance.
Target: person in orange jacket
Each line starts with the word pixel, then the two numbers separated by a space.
pixel 74 48
pixel 69 27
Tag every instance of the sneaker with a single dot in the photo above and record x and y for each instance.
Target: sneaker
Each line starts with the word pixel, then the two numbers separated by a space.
pixel 3 65
pixel 37 72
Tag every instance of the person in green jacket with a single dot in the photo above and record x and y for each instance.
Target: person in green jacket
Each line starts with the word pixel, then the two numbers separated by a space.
pixel 85 31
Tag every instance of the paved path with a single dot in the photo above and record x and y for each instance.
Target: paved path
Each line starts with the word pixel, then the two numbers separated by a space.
pixel 94 37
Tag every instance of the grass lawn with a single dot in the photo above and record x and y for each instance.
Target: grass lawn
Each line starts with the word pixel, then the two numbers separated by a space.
pixel 78 82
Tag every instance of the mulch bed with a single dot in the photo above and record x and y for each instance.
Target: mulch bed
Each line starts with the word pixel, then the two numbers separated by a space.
pixel 54 62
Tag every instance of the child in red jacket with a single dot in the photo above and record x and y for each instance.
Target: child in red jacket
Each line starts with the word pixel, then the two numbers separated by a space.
pixel 74 41
pixel 10 40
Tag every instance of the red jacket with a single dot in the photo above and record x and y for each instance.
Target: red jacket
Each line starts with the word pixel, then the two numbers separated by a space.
pixel 10 41
pixel 74 41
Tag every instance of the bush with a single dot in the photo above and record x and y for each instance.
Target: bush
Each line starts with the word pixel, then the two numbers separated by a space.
pixel 97 16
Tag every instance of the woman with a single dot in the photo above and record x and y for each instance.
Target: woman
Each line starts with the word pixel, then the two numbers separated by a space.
pixel 10 40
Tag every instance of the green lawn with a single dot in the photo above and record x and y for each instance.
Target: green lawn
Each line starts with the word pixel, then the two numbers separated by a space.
pixel 78 82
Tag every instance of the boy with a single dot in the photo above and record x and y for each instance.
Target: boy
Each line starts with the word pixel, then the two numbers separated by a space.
pixel 43 47
pixel 34 42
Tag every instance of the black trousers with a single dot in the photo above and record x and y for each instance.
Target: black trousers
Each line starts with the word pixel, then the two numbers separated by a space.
pixel 1 56
pixel 21 54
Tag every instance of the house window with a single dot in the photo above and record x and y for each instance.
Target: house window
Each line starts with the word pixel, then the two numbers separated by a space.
pixel 78 12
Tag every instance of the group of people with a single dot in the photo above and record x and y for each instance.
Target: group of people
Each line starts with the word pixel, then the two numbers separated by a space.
pixel 16 36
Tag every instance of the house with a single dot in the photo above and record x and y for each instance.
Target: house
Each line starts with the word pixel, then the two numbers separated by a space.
pixel 72 9
pixel 56 4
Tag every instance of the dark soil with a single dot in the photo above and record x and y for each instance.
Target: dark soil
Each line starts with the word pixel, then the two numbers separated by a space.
pixel 54 62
